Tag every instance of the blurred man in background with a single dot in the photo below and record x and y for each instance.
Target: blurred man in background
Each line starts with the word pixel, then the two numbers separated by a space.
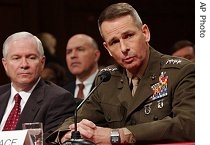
pixel 185 49
pixel 82 55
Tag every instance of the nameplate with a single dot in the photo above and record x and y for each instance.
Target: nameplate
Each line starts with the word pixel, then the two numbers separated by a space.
pixel 15 137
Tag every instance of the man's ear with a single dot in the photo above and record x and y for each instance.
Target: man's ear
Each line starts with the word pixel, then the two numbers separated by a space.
pixel 4 62
pixel 105 45
pixel 97 55
pixel 43 59
pixel 146 32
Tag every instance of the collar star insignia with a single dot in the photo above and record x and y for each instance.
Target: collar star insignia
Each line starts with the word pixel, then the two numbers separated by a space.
pixel 109 69
pixel 173 61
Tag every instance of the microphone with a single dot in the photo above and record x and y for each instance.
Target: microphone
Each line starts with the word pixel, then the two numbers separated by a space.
pixel 76 139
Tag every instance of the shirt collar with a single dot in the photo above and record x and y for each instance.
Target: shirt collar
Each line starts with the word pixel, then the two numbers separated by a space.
pixel 24 95
pixel 89 80
pixel 130 75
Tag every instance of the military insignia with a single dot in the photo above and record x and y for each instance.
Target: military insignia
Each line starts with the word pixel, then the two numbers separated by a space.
pixel 160 88
pixel 160 104
pixel 109 69
pixel 173 61
pixel 159 92
pixel 147 108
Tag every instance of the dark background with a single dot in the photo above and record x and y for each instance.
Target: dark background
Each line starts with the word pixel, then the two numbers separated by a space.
pixel 168 20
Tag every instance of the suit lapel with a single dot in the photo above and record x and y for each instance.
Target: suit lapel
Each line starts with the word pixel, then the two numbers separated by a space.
pixel 33 105
pixel 72 87
pixel 4 100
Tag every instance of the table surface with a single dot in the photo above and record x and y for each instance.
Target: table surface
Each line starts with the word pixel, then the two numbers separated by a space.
pixel 180 143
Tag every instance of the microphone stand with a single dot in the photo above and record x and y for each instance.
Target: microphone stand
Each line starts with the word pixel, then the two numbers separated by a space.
pixel 76 137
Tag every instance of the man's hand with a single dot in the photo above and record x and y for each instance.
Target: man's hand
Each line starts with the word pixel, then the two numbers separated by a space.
pixel 88 130
pixel 66 137
pixel 85 127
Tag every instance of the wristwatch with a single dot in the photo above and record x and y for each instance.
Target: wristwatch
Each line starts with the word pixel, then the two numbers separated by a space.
pixel 115 136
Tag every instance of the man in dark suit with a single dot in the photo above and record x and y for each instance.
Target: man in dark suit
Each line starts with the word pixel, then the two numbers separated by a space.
pixel 82 55
pixel 41 101
pixel 150 98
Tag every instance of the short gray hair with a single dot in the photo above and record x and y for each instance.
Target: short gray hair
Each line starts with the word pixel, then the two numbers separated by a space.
pixel 22 35
pixel 118 10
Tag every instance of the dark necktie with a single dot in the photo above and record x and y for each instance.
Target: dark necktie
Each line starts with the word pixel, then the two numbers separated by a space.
pixel 80 92
pixel 14 114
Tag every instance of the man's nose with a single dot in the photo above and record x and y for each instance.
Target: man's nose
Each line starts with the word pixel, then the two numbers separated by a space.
pixel 123 46
pixel 24 63
pixel 73 53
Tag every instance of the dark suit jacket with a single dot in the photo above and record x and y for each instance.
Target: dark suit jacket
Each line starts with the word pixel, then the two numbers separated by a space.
pixel 48 103
pixel 70 87
pixel 162 109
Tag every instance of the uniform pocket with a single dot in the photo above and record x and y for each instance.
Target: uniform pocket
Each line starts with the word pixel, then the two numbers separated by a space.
pixel 114 114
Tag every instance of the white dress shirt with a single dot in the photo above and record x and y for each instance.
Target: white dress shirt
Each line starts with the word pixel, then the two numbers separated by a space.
pixel 88 84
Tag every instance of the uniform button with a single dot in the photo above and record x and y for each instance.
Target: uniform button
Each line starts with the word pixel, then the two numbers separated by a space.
pixel 153 77
pixel 155 118
pixel 108 118
pixel 133 122
pixel 162 63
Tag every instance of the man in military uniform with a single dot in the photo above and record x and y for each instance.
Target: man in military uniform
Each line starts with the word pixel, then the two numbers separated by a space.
pixel 162 108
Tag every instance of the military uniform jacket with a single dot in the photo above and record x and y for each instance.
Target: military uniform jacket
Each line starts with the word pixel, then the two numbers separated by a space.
pixel 162 109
